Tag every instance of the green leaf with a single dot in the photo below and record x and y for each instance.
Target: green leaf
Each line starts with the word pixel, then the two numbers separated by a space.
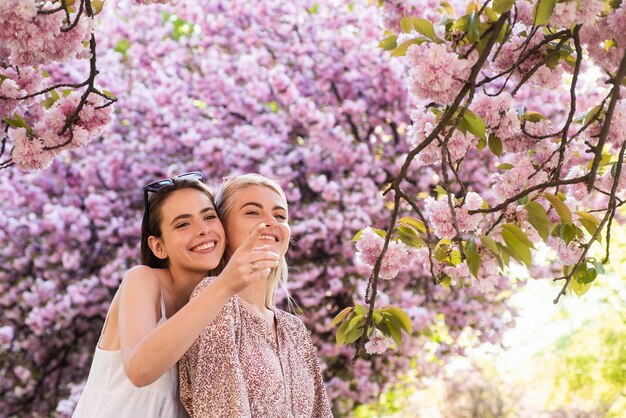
pixel 599 267
pixel 475 124
pixel 395 331
pixel 491 14
pixel 313 9
pixel 389 43
pixel 542 11
pixel 473 258
pixel 341 316
pixel 377 231
pixel 409 237
pixel 474 27
pixel 122 46
pixel 560 207
pixel 518 250
pixel 505 253
pixel 440 191
pixel 490 244
pixel 341 332
pixel 403 318
pixel 519 235
pixel 578 288
pixel 589 276
pixel 566 232
pixel 426 28
pixel 353 335
pixel 538 218
pixel 454 258
pixel 96 6
pixel 505 166
pixel 592 114
pixel 414 223
pixel 54 96
pixel 441 252
pixel 495 146
pixel 360 309
pixel 400 51
pixel 108 94
pixel 447 8
pixel 502 6
pixel 533 117
pixel 356 322
pixel 406 24
pixel 589 222
pixel 522 200
pixel 461 23
pixel 18 122
pixel 445 282
pixel 273 106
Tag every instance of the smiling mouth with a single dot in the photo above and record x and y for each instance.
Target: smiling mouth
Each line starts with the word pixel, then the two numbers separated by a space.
pixel 269 238
pixel 204 247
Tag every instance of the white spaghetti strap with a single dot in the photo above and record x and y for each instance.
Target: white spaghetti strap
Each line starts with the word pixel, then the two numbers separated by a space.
pixel 106 321
pixel 163 312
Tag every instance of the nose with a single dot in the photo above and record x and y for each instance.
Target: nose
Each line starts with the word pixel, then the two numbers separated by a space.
pixel 203 229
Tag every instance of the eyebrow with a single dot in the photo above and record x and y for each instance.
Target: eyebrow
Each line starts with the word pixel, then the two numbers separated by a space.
pixel 187 215
pixel 261 206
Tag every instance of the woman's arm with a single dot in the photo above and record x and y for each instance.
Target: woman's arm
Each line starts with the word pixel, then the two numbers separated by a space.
pixel 149 351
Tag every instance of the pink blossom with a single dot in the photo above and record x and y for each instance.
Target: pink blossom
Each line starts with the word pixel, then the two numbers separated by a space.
pixel 8 89
pixel 28 153
pixel 498 114
pixel 397 257
pixel 436 72
pixel 368 247
pixel 441 217
pixel 473 201
pixel 377 344
pixel 567 254
pixel 570 13
pixel 6 335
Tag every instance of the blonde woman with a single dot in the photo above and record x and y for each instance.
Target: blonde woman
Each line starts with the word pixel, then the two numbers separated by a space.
pixel 253 360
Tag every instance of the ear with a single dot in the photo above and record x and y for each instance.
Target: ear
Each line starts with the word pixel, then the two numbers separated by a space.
pixel 157 247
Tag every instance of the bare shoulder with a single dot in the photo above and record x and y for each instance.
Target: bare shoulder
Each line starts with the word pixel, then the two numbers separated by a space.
pixel 141 278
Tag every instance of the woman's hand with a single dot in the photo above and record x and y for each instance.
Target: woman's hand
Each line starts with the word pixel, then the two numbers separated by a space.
pixel 249 263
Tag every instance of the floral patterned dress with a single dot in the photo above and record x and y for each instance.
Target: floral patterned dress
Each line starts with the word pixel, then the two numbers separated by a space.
pixel 236 368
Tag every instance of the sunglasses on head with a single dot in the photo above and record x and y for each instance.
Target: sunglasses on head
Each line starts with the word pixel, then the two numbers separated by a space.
pixel 159 184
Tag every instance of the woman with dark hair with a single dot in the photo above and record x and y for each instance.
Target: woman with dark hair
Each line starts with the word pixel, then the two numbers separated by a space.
pixel 150 323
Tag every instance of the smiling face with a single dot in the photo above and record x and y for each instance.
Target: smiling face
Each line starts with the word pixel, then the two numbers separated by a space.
pixel 192 236
pixel 254 205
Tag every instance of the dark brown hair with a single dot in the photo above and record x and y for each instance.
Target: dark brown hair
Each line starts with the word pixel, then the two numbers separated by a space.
pixel 151 225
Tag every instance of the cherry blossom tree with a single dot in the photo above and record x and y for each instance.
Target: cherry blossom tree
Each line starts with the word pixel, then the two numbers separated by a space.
pixel 551 176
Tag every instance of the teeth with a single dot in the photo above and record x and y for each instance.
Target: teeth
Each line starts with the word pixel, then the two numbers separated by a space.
pixel 269 237
pixel 204 246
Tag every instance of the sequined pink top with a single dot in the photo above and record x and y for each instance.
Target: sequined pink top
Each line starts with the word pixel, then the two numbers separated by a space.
pixel 237 369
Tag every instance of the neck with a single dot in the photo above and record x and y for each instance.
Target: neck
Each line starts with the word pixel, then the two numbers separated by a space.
pixel 183 283
pixel 254 294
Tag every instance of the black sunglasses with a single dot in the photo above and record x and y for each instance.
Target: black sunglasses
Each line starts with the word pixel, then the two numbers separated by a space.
pixel 159 184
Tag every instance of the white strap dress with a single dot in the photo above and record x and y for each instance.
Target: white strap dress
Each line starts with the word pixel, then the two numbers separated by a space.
pixel 110 394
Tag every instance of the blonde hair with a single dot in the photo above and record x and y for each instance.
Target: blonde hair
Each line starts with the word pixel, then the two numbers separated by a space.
pixel 224 202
